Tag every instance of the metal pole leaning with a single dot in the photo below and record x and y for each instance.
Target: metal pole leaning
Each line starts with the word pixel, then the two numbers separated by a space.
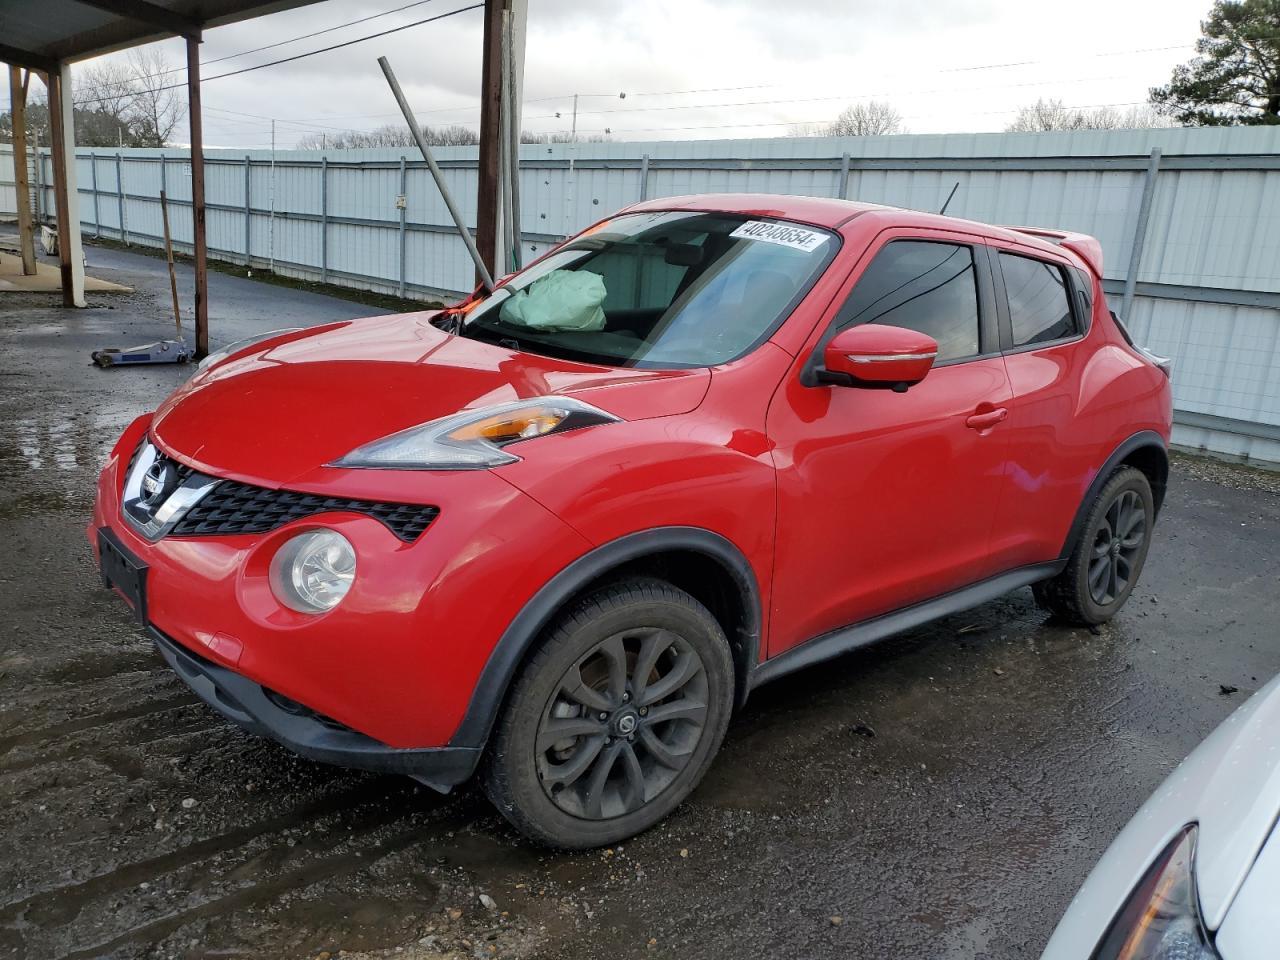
pixel 469 240
pixel 1139 236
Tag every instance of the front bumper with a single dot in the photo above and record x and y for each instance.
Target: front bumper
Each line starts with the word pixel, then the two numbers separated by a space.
pixel 398 660
pixel 305 732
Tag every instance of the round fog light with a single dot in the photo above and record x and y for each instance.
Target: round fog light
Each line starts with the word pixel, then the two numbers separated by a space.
pixel 313 572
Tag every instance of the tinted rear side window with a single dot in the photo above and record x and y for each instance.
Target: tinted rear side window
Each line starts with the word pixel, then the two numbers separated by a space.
pixel 924 286
pixel 1039 302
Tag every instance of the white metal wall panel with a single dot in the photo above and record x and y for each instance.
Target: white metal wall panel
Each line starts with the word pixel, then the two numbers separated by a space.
pixel 1216 229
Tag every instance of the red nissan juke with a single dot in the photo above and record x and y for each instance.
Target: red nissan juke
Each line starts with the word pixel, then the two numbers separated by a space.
pixel 557 533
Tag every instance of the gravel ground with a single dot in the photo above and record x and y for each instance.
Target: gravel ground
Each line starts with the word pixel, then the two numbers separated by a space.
pixel 942 794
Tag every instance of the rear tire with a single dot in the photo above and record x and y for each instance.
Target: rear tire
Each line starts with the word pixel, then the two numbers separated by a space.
pixel 614 719
pixel 1109 555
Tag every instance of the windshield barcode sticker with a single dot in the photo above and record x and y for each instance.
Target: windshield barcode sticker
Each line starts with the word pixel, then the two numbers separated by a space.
pixel 780 233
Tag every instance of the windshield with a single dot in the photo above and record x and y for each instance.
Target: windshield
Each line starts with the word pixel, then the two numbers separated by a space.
pixel 665 289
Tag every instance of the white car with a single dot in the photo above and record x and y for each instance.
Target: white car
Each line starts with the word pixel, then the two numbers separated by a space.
pixel 1195 875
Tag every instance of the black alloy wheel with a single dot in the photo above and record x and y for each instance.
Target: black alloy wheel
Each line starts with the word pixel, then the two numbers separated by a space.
pixel 622 724
pixel 614 718
pixel 1119 539
pixel 1109 554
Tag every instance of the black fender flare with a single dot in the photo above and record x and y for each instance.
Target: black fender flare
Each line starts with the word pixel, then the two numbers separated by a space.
pixel 505 660
pixel 1142 439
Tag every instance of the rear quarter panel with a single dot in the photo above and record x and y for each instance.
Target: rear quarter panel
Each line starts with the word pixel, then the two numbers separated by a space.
pixel 1074 404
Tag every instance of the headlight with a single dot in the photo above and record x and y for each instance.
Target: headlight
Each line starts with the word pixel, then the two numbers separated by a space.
pixel 219 355
pixel 1161 920
pixel 313 572
pixel 475 439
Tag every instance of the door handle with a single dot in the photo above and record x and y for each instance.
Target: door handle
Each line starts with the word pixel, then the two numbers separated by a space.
pixel 987 419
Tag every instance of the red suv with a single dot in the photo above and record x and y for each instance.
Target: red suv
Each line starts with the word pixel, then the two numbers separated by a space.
pixel 558 532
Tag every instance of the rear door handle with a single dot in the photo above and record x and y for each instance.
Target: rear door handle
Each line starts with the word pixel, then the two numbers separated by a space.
pixel 987 419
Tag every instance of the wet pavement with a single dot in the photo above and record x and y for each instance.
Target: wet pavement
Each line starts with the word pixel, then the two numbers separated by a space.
pixel 940 795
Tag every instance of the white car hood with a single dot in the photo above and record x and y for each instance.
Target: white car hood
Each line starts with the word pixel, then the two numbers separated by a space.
pixel 1230 786
pixel 1252 927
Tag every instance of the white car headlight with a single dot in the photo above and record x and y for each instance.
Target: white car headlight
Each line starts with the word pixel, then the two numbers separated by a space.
pixel 475 439
pixel 219 355
pixel 1161 920
pixel 313 572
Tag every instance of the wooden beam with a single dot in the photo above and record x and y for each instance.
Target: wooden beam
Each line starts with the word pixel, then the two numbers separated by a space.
pixel 488 199
pixel 21 185
pixel 149 13
pixel 26 58
pixel 61 196
pixel 201 250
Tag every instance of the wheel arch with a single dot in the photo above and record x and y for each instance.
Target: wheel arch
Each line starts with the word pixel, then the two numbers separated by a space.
pixel 703 563
pixel 1144 450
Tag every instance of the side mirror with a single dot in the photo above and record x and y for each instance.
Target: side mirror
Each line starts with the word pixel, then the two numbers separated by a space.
pixel 874 355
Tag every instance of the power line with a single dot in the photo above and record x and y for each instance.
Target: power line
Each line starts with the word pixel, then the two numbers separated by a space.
pixel 310 53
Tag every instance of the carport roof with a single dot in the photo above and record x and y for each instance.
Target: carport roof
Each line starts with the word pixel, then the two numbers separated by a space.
pixel 41 34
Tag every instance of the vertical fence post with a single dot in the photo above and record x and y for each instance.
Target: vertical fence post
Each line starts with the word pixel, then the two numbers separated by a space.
pixel 164 179
pixel 644 177
pixel 247 213
pixel 1140 236
pixel 97 220
pixel 324 219
pixel 844 178
pixel 39 184
pixel 124 234
pixel 404 193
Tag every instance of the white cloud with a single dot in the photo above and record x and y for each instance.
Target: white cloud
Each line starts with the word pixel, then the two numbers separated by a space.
pixel 794 60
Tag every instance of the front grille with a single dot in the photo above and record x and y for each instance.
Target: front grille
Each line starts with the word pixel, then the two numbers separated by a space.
pixel 232 508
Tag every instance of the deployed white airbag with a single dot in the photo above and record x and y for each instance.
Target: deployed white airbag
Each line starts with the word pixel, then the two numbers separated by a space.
pixel 561 300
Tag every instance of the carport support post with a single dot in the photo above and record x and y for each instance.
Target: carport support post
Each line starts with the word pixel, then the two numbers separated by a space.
pixel 21 185
pixel 197 197
pixel 1139 236
pixel 67 197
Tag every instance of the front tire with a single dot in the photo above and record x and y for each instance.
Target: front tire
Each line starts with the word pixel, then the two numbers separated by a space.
pixel 614 719
pixel 1108 558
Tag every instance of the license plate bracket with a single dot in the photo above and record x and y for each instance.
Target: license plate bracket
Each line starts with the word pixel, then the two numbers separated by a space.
pixel 122 571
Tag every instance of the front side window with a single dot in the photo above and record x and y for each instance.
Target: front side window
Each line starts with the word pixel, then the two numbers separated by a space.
pixel 1039 304
pixel 924 286
pixel 663 289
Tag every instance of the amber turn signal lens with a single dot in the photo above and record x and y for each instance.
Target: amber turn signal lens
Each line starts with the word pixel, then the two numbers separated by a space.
pixel 505 428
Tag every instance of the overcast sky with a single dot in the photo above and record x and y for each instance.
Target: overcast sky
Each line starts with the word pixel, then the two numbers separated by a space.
pixel 751 67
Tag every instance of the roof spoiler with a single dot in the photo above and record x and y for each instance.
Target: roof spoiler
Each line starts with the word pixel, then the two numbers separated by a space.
pixel 1085 247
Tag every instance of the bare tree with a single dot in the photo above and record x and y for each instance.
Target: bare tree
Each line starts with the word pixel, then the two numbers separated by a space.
pixel 870 119
pixel 156 108
pixel 807 130
pixel 104 94
pixel 389 135
pixel 1052 114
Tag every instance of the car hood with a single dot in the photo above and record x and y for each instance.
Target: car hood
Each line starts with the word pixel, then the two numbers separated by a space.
pixel 291 405
pixel 1230 787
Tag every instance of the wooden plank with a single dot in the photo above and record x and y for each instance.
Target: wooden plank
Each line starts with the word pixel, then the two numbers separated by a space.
pixel 197 198
pixel 21 183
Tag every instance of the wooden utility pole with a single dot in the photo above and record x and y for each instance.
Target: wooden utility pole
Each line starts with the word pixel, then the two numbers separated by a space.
pixel 197 197
pixel 489 198
pixel 21 185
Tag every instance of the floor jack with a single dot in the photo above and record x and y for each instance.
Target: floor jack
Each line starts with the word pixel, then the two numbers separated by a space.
pixel 162 351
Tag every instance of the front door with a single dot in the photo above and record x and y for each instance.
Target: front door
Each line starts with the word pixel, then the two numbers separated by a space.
pixel 886 499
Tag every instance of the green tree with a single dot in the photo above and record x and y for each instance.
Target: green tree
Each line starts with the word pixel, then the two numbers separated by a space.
pixel 1235 78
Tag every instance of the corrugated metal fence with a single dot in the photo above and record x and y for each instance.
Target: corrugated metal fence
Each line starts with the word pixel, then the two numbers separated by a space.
pixel 1189 221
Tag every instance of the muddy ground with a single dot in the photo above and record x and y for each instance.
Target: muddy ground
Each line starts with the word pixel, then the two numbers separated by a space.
pixel 940 795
